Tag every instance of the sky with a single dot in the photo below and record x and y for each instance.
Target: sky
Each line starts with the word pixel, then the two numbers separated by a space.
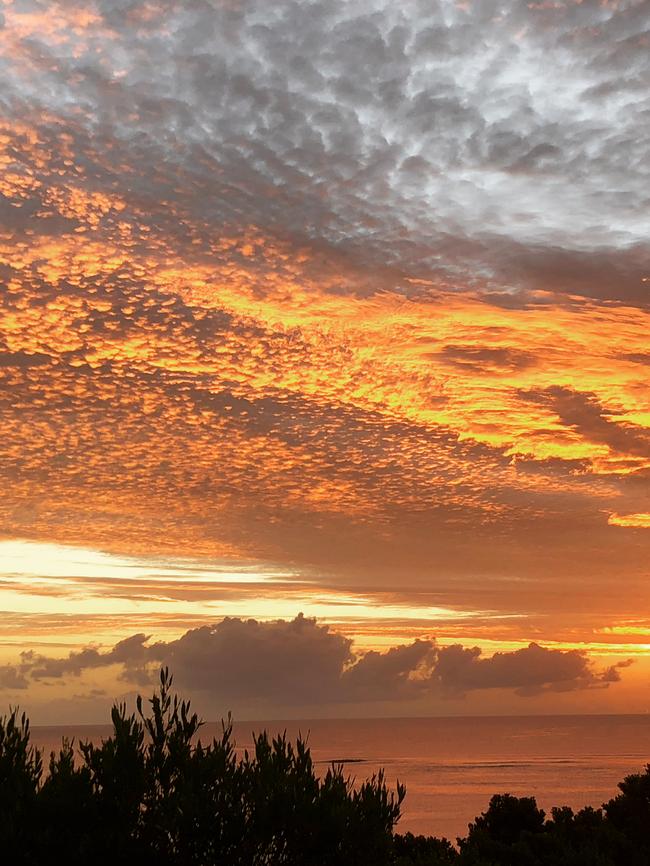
pixel 324 356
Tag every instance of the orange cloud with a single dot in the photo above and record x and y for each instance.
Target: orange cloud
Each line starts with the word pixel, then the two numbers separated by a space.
pixel 201 356
pixel 635 521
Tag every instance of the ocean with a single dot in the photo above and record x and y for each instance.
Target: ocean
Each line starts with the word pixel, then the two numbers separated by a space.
pixel 451 766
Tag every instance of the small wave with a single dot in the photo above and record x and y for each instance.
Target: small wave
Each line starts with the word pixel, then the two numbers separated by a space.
pixel 514 765
pixel 455 766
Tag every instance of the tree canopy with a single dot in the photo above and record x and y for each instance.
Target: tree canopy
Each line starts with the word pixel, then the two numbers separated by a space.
pixel 154 793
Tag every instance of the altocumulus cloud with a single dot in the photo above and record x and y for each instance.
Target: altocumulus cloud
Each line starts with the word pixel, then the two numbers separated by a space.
pixel 215 211
pixel 298 662
pixel 400 129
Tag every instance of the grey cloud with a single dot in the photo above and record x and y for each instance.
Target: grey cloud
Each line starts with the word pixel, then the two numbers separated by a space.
pixel 295 661
pixel 130 652
pixel 399 131
pixel 12 677
pixel 594 421
pixel 400 673
pixel 528 671
pixel 481 358
pixel 607 272
pixel 299 662
pixel 23 359
pixel 638 358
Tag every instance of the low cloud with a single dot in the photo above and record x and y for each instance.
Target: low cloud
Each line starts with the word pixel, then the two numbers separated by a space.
pixel 528 671
pixel 294 661
pixel 131 654
pixel 12 677
pixel 300 662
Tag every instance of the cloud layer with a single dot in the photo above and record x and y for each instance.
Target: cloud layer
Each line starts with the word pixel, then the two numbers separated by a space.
pixel 427 131
pixel 356 293
pixel 299 662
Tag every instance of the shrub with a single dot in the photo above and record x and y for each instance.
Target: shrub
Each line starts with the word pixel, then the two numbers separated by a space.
pixel 152 793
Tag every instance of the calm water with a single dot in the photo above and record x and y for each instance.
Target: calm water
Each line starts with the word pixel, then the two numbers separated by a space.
pixel 451 767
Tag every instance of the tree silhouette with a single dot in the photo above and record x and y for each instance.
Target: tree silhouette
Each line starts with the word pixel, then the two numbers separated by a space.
pixel 410 850
pixel 153 794
pixel 629 815
pixel 21 768
pixel 503 834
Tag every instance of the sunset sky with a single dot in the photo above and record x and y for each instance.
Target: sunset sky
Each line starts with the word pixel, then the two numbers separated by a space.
pixel 325 355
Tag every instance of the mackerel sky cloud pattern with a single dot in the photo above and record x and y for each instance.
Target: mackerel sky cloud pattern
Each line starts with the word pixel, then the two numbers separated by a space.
pixel 351 293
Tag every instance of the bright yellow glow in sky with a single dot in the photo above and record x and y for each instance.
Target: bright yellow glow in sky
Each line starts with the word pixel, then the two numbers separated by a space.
pixel 69 580
pixel 33 560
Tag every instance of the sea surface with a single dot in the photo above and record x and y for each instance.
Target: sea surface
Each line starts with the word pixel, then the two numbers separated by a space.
pixel 451 766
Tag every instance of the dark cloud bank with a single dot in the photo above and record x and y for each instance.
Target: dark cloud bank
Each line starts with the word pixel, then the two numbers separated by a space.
pixel 299 662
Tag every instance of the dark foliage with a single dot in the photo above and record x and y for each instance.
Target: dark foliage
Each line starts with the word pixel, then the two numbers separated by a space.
pixel 410 850
pixel 152 793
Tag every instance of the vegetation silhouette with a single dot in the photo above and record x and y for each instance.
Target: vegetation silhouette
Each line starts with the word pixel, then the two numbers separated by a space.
pixel 153 793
